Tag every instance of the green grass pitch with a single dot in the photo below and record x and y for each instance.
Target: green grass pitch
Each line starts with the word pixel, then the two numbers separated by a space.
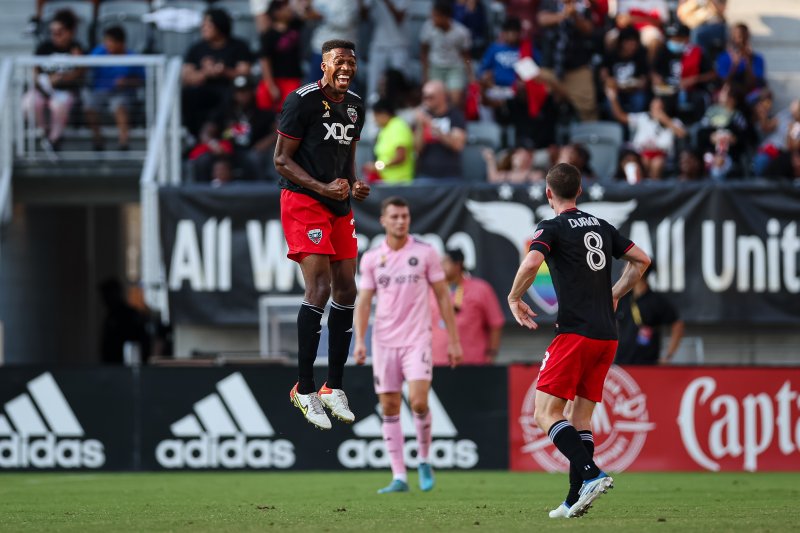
pixel 461 501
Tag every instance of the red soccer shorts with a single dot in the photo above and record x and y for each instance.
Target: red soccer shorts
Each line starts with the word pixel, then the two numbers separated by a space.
pixel 310 228
pixel 576 365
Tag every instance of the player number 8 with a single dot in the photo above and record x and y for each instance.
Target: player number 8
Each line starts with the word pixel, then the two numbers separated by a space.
pixel 595 257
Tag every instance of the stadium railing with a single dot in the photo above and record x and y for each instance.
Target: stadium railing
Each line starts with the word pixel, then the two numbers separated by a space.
pixel 77 140
pixel 162 166
pixel 6 136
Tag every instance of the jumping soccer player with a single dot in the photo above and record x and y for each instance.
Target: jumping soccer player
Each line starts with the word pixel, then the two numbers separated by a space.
pixel 399 272
pixel 315 155
pixel 578 248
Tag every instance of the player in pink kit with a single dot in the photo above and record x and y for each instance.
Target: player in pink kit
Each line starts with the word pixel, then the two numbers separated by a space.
pixel 399 272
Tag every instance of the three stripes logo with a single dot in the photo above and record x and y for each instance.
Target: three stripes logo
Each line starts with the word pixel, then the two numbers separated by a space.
pixel 40 430
pixel 228 429
pixel 446 450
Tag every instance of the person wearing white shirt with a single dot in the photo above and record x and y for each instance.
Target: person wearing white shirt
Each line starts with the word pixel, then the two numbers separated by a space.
pixel 389 46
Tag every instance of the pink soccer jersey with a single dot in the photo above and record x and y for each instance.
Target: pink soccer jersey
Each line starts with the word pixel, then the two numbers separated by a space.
pixel 400 279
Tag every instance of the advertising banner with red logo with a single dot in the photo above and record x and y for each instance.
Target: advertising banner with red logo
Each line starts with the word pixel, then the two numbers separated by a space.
pixel 673 418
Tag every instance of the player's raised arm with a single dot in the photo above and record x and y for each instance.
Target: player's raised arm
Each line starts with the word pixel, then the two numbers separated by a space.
pixel 360 324
pixel 454 350
pixel 637 263
pixel 526 274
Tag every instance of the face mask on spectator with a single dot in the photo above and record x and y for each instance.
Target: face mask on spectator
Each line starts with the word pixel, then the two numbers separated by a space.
pixel 676 47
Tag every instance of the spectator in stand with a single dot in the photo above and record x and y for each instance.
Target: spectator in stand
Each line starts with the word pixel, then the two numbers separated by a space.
pixel 394 147
pixel 525 11
pixel 280 56
pixel 472 14
pixel 335 20
pixel 652 134
pixel 739 64
pixel 497 75
pixel 112 88
pixel 515 167
pixel 723 133
pixel 221 172
pixel 626 71
pixel 261 15
pixel 209 68
pixel 445 51
pixel 630 167
pixel 122 324
pixel 640 316
pixel 579 157
pixel 691 166
pixel 786 166
pixel 567 48
pixel 251 130
pixel 439 135
pixel 389 46
pixel 56 87
pixel 210 148
pixel 771 129
pixel 647 16
pixel 682 75
pixel 706 18
pixel 479 318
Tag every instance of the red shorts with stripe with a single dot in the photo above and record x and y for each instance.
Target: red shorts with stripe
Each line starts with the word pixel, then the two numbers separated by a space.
pixel 575 365
pixel 311 228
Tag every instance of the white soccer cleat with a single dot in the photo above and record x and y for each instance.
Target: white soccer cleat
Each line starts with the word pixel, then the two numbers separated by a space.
pixel 311 407
pixel 590 491
pixel 562 511
pixel 336 401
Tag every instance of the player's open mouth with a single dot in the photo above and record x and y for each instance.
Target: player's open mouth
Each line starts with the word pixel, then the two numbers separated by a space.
pixel 343 79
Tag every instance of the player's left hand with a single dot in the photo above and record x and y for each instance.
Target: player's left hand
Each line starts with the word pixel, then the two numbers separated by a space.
pixel 523 314
pixel 360 190
pixel 455 353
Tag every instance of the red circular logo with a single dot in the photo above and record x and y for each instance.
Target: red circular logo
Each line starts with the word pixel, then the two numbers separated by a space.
pixel 620 424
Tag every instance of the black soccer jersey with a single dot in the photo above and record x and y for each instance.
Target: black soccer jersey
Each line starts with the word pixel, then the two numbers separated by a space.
pixel 578 249
pixel 327 129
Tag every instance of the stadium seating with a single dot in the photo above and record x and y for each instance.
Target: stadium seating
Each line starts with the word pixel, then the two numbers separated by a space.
pixel 473 163
pixel 603 140
pixel 243 25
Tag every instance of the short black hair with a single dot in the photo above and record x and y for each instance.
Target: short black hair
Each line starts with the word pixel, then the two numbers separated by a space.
pixel 628 33
pixel 384 106
pixel 67 18
pixel 115 33
pixel 564 180
pixel 333 44
pixel 455 255
pixel 512 24
pixel 221 20
pixel 397 201
pixel 444 7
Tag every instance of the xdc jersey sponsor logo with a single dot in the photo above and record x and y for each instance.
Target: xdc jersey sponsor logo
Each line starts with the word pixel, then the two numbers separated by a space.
pixel 227 430
pixel 446 451
pixel 40 430
pixel 339 132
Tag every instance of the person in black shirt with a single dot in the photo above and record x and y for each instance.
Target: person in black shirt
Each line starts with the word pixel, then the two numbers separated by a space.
pixel 578 249
pixel 210 66
pixel 640 316
pixel 315 155
pixel 440 134
pixel 56 87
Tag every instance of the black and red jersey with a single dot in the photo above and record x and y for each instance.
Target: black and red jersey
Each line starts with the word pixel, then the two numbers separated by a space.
pixel 328 130
pixel 578 250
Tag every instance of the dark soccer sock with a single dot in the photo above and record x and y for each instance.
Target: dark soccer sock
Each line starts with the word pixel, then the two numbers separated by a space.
pixel 308 330
pixel 569 443
pixel 340 332
pixel 575 479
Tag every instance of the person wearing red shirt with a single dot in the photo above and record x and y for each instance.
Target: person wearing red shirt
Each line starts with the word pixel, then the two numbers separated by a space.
pixel 479 318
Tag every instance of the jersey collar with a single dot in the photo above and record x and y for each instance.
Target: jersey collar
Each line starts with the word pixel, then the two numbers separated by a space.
pixel 385 248
pixel 327 95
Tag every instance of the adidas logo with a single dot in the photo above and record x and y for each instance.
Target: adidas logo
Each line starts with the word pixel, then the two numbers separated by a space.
pixel 39 429
pixel 326 114
pixel 446 451
pixel 228 429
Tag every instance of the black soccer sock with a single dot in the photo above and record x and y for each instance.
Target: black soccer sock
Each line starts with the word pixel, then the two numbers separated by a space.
pixel 575 479
pixel 340 333
pixel 308 333
pixel 569 443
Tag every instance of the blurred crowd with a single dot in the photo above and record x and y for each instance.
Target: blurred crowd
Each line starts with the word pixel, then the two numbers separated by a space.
pixel 630 90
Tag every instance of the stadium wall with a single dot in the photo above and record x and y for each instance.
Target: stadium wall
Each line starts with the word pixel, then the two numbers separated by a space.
pixel 651 419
